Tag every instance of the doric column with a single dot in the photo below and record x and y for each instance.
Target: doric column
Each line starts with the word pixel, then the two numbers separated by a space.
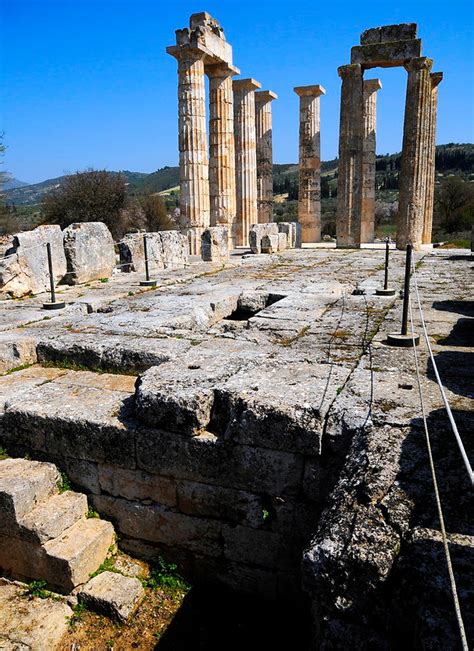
pixel 309 191
pixel 369 111
pixel 411 208
pixel 193 161
pixel 222 147
pixel 349 183
pixel 436 78
pixel 245 156
pixel 263 125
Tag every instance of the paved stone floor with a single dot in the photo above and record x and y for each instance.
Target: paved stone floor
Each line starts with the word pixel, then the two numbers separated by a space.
pixel 289 326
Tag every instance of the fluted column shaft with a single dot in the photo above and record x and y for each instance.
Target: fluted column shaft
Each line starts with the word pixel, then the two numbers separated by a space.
pixel 309 185
pixel 411 209
pixel 349 184
pixel 245 157
pixel 263 126
pixel 436 78
pixel 193 159
pixel 222 181
pixel 369 115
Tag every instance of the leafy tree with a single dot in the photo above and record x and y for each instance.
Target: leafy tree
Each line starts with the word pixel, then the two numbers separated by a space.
pixel 155 213
pixel 455 204
pixel 93 195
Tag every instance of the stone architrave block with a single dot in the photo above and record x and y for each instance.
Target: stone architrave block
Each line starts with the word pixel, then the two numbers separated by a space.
pixel 24 270
pixel 90 253
pixel 387 54
pixel 257 232
pixel 389 33
pixel 132 252
pixel 113 595
pixel 175 249
pixel 215 244
pixel 271 243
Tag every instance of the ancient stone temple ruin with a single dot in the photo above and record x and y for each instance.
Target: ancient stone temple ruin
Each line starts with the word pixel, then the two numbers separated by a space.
pixel 386 47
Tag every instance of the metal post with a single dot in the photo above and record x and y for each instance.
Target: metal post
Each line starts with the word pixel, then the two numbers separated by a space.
pixel 145 252
pixel 406 289
pixel 54 305
pixel 147 282
pixel 50 268
pixel 404 339
pixel 386 291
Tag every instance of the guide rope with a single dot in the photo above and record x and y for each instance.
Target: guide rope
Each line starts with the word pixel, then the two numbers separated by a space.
pixel 440 385
pixel 452 579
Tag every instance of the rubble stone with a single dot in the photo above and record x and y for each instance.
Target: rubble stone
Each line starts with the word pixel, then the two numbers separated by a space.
pixel 215 244
pixel 24 270
pixel 112 594
pixel 90 253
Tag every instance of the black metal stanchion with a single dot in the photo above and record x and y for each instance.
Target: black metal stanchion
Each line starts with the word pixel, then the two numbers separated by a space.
pixel 147 282
pixel 404 339
pixel 53 305
pixel 386 290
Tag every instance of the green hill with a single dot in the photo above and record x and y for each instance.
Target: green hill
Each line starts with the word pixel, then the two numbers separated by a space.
pixel 450 158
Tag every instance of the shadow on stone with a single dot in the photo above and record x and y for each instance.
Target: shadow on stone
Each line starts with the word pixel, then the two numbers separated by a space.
pixel 455 370
pixel 459 307
pixel 215 618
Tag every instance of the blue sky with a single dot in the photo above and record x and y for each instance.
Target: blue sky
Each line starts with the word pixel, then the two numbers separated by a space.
pixel 87 83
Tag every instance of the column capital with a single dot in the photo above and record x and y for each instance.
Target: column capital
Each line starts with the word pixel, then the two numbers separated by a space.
pixel 350 70
pixel 436 79
pixel 265 96
pixel 417 64
pixel 372 85
pixel 245 84
pixel 221 70
pixel 179 52
pixel 310 91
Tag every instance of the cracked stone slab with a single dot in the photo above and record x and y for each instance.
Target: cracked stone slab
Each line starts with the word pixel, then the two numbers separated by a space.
pixel 112 594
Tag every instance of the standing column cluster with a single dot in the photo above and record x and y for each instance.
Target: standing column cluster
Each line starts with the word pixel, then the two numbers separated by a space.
pixel 218 179
pixel 388 46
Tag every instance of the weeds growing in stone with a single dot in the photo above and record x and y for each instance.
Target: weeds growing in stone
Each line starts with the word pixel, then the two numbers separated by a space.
pixel 37 589
pixel 165 575
pixel 64 483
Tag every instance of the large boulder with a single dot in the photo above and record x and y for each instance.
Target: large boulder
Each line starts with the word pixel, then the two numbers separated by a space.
pixel 215 244
pixel 24 269
pixel 132 252
pixel 165 250
pixel 90 253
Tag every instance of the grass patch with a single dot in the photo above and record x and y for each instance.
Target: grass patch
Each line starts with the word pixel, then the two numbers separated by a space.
pixel 456 244
pixel 64 483
pixel 288 341
pixel 18 368
pixel 107 566
pixel 78 613
pixel 103 280
pixel 92 514
pixel 3 454
pixel 164 575
pixel 37 589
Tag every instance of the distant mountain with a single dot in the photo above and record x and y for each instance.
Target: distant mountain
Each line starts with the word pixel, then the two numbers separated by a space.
pixel 455 158
pixel 11 183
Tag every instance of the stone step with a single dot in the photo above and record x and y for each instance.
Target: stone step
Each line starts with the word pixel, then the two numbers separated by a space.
pixel 77 553
pixel 23 485
pixel 52 517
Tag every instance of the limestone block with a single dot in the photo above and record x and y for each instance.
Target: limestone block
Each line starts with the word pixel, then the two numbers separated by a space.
pixel 386 55
pixel 113 595
pixel 50 518
pixel 282 241
pixel 252 546
pixel 25 271
pixel 31 624
pixel 155 523
pixel 215 244
pixel 257 231
pixel 270 243
pixel 90 253
pixel 175 249
pixel 293 232
pixel 132 254
pixel 137 485
pixel 389 33
pixel 16 350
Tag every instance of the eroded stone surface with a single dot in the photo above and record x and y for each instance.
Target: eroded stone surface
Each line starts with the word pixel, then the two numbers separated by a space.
pixel 112 594
pixel 89 250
